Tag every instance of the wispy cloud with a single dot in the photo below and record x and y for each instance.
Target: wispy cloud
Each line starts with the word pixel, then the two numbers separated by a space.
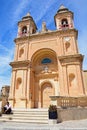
pixel 4 80
pixel 6 51
pixel 4 48
pixel 5 60
pixel 5 69
pixel 82 42
pixel 18 10
pixel 43 9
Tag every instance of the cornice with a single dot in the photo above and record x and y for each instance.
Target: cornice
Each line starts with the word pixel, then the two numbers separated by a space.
pixel 20 63
pixel 71 58
pixel 55 33
pixel 60 33
pixel 19 39
pixel 46 75
pixel 64 14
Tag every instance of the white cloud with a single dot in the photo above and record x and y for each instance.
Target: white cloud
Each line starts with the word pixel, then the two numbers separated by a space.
pixel 43 9
pixel 83 46
pixel 4 48
pixel 18 10
pixel 4 65
pixel 4 81
pixel 6 55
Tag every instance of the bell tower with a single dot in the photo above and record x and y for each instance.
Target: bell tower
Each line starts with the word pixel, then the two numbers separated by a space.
pixel 70 60
pixel 64 19
pixel 26 26
pixel 20 87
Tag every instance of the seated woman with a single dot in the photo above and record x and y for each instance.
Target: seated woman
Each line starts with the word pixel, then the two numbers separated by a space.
pixel 7 108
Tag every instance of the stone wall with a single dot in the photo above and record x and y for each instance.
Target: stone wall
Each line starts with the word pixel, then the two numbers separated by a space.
pixel 72 114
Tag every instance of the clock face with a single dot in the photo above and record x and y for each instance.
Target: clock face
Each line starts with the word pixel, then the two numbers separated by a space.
pixel 67 38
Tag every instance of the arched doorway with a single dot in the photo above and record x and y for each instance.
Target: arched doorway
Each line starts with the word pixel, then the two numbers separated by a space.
pixel 46 91
pixel 44 70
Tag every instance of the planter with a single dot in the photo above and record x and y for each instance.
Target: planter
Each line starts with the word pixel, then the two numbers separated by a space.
pixel 52 114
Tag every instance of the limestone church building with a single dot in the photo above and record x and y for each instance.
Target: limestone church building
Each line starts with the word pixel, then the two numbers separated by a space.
pixel 46 63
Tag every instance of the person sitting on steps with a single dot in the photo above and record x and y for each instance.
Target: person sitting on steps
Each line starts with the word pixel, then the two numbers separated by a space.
pixel 7 109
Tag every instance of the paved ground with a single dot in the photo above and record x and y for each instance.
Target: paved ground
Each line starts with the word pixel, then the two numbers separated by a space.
pixel 67 125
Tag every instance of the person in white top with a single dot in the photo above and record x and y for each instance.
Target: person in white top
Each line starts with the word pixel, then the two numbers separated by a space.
pixel 7 108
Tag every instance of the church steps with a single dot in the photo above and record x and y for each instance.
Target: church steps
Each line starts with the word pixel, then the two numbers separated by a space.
pixel 26 121
pixel 25 117
pixel 30 110
pixel 28 116
pixel 30 113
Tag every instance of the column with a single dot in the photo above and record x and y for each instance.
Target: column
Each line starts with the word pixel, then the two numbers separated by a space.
pixel 60 70
pixel 24 83
pixel 80 81
pixel 16 53
pixel 12 88
pixel 28 89
pixel 65 81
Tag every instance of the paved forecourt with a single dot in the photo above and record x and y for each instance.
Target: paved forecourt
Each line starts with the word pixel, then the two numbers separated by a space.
pixel 67 125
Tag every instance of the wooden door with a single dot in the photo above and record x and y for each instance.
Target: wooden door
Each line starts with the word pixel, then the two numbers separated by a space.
pixel 46 92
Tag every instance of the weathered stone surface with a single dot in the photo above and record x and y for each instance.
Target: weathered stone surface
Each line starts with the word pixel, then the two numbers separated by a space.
pixel 72 114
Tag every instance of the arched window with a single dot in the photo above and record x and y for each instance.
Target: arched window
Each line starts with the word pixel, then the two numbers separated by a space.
pixel 18 83
pixel 64 23
pixel 24 30
pixel 46 61
pixel 21 52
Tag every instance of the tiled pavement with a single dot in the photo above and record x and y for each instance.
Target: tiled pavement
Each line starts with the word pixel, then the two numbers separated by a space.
pixel 67 125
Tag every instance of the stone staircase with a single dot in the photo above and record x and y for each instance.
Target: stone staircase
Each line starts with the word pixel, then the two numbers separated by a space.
pixel 27 116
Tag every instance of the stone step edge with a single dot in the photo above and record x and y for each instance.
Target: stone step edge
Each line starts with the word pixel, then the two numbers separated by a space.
pixel 30 109
pixel 19 115
pixel 30 112
pixel 22 118
pixel 25 121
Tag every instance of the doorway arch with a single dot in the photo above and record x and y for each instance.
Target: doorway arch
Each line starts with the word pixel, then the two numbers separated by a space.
pixel 47 90
pixel 43 73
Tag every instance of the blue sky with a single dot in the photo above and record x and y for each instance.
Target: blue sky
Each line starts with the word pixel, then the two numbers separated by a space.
pixel 11 11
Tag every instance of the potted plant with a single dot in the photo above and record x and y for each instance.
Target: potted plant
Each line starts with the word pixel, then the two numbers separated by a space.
pixel 52 112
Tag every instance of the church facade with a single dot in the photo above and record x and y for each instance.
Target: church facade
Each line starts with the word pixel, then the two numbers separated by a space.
pixel 46 63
